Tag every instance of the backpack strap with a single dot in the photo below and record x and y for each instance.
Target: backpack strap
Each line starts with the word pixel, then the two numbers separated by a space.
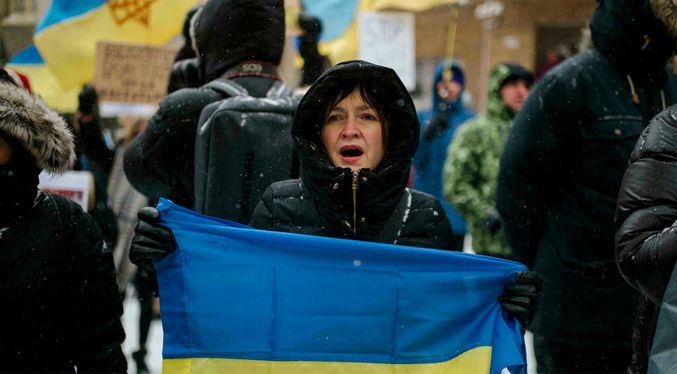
pixel 227 87
pixel 393 226
pixel 279 90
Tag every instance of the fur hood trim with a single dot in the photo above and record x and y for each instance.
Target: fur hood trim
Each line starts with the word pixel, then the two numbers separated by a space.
pixel 39 130
pixel 666 11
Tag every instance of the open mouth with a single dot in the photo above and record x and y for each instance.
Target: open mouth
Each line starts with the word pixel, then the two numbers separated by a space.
pixel 351 151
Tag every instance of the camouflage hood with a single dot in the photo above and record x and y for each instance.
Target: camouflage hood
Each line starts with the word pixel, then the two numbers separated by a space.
pixel 499 75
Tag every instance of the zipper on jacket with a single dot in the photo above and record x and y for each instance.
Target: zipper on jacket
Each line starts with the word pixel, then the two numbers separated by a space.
pixel 355 175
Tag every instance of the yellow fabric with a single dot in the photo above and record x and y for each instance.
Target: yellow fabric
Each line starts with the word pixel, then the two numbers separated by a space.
pixel 44 84
pixel 476 360
pixel 68 47
pixel 344 48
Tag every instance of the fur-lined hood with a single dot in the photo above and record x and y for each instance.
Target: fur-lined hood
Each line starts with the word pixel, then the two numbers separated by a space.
pixel 39 130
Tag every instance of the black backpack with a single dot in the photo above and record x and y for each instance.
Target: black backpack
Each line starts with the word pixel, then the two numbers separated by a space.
pixel 243 144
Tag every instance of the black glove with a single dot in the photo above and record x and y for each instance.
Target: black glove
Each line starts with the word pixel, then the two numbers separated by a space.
pixel 436 126
pixel 521 297
pixel 87 99
pixel 150 241
pixel 491 223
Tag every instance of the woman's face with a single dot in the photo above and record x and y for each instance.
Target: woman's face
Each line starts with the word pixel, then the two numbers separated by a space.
pixel 5 152
pixel 353 134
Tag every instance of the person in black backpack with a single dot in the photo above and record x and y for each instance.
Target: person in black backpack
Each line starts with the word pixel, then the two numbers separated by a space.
pixel 61 308
pixel 238 40
pixel 355 132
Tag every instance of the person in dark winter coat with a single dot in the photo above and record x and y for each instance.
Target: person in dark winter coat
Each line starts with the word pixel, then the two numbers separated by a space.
pixel 61 308
pixel 439 124
pixel 356 132
pixel 185 71
pixel 560 173
pixel 314 63
pixel 646 218
pixel 240 40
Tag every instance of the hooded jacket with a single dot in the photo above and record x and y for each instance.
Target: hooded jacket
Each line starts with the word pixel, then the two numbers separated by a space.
pixel 432 151
pixel 226 34
pixel 61 308
pixel 336 202
pixel 562 166
pixel 471 167
pixel 646 240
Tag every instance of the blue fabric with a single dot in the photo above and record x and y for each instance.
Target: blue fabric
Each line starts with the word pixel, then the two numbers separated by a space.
pixel 61 10
pixel 230 291
pixel 430 156
pixel 30 55
pixel 336 15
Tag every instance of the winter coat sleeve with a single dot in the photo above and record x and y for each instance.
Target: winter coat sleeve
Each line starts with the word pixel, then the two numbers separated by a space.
pixel 646 212
pixel 533 168
pixel 262 217
pixel 462 175
pixel 94 299
pixel 426 225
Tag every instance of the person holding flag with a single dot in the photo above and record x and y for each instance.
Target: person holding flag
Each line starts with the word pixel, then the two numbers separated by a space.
pixel 355 131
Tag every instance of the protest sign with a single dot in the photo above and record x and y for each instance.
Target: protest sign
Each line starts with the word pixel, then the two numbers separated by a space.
pixel 387 38
pixel 75 185
pixel 132 73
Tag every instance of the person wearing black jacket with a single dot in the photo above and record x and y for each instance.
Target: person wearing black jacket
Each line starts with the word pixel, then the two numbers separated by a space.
pixel 646 218
pixel 355 131
pixel 560 173
pixel 240 40
pixel 61 308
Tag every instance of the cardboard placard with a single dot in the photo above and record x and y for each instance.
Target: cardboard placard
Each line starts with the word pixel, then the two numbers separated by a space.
pixel 132 73
pixel 75 185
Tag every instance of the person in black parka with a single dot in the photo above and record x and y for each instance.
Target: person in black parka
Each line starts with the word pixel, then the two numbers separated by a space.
pixel 60 304
pixel 355 131
pixel 560 173
pixel 646 218
pixel 240 40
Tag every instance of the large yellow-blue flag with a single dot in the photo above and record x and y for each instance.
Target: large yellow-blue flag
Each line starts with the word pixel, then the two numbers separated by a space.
pixel 239 300
pixel 42 80
pixel 66 37
pixel 339 20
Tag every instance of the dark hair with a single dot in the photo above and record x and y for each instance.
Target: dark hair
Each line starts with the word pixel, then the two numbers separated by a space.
pixel 340 92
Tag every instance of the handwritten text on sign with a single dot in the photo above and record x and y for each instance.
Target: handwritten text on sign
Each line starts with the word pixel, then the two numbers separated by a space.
pixel 131 73
pixel 387 38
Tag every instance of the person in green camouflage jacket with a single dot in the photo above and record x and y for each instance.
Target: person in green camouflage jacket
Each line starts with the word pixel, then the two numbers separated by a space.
pixel 471 167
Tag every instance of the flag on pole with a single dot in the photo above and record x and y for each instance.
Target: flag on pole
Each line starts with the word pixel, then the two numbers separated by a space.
pixel 66 37
pixel 42 80
pixel 339 20
pixel 239 300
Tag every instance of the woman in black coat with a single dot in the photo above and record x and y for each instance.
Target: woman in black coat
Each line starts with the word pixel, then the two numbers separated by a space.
pixel 60 305
pixel 646 218
pixel 355 131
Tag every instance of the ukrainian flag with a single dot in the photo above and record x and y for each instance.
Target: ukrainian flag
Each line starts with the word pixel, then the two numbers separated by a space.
pixel 339 20
pixel 67 35
pixel 239 300
pixel 42 80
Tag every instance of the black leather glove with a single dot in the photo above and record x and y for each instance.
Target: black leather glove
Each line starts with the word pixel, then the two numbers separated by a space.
pixel 87 99
pixel 436 127
pixel 491 223
pixel 521 297
pixel 150 241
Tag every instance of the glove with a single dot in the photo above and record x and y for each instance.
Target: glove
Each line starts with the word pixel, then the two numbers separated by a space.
pixel 521 297
pixel 150 241
pixel 491 223
pixel 87 99
pixel 437 125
